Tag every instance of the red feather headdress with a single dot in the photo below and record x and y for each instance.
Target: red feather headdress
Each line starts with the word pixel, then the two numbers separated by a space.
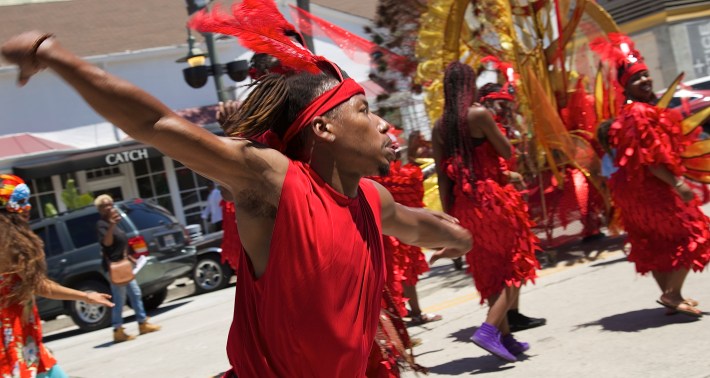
pixel 259 26
pixel 620 51
pixel 507 92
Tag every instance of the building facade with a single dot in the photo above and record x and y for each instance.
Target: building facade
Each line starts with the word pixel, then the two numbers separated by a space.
pixel 672 35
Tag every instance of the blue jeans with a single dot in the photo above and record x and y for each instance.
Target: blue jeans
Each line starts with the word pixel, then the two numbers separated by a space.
pixel 118 294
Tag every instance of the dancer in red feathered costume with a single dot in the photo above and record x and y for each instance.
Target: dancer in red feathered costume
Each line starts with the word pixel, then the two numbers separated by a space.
pixel 476 187
pixel 500 101
pixel 666 228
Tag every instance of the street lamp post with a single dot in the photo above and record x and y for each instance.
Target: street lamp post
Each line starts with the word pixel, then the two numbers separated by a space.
pixel 197 73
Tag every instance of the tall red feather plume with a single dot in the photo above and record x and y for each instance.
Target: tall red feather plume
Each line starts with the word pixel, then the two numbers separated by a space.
pixel 610 49
pixel 260 27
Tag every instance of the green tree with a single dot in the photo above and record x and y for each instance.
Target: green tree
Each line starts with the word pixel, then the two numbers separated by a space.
pixel 50 210
pixel 73 199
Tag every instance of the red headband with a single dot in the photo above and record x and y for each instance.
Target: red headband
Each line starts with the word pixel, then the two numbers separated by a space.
pixel 498 96
pixel 631 70
pixel 503 94
pixel 321 105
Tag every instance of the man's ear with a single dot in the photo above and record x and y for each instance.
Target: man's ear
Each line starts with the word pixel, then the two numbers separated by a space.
pixel 322 129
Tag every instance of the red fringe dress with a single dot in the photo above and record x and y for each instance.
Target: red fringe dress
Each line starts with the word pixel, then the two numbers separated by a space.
pixel 404 262
pixel 493 211
pixel 665 233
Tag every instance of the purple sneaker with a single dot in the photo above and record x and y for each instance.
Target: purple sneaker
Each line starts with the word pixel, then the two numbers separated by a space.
pixel 515 347
pixel 488 337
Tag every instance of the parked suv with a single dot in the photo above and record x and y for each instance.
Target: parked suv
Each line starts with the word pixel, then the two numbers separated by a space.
pixel 74 257
pixel 210 274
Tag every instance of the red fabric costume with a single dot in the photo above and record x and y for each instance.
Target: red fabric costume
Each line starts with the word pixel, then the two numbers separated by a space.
pixel 230 238
pixel 406 184
pixel 314 311
pixel 22 353
pixel 504 252
pixel 665 233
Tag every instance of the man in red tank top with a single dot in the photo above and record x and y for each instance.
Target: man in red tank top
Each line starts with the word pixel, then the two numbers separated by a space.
pixel 311 273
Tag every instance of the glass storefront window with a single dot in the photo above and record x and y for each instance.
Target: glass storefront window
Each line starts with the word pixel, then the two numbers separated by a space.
pixel 193 193
pixel 42 194
pixel 152 182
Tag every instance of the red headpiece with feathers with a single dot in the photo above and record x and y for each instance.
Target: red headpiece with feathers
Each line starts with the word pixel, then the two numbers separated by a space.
pixel 259 26
pixel 619 50
pixel 507 93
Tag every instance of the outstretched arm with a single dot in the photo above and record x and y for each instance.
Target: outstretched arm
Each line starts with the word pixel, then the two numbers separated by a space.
pixel 136 112
pixel 423 228
pixel 52 290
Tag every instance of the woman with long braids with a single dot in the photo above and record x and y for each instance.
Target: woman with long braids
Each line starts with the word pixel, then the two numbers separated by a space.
pixel 23 275
pixel 668 232
pixel 476 187
pixel 311 271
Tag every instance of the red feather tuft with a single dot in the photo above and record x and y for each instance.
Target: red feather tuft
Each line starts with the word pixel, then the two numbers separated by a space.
pixel 260 27
pixel 617 48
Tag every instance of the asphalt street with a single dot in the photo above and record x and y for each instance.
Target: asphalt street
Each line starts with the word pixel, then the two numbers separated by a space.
pixel 602 322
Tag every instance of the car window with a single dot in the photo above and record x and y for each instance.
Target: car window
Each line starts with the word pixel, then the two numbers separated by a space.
pixel 83 229
pixel 145 216
pixel 50 237
pixel 705 85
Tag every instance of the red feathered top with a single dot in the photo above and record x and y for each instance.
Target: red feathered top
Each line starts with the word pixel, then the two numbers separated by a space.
pixel 665 233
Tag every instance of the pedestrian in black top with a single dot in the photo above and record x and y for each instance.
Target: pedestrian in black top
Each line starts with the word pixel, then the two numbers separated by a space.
pixel 114 247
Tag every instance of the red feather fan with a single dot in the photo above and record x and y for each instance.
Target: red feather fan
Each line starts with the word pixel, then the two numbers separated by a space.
pixel 260 27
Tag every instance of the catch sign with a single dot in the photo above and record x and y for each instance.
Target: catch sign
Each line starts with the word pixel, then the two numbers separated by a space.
pixel 126 156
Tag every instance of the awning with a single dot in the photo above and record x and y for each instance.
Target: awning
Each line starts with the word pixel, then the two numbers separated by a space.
pixel 106 157
pixel 25 144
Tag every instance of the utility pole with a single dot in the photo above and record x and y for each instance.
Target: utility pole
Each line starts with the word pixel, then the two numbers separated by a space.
pixel 306 6
pixel 192 7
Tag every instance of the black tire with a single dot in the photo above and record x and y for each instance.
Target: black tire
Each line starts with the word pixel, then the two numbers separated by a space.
pixel 153 301
pixel 210 274
pixel 90 317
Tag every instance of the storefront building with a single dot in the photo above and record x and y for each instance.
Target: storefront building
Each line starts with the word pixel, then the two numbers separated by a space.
pixel 132 170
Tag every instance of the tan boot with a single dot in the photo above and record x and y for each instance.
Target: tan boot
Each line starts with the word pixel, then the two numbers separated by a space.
pixel 146 327
pixel 119 335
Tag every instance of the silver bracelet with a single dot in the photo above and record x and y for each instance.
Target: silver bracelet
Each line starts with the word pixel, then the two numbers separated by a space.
pixel 678 183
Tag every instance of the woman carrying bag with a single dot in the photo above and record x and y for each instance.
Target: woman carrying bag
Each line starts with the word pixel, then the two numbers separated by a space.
pixel 114 252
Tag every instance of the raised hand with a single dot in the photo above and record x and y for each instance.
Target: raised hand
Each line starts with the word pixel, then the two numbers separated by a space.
pixel 226 112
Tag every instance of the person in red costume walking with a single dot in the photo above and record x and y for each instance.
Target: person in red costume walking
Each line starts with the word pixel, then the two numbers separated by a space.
pixel 500 101
pixel 476 187
pixel 668 232
pixel 311 271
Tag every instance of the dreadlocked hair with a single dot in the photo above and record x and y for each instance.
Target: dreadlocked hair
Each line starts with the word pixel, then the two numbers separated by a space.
pixel 23 252
pixel 488 89
pixel 275 103
pixel 459 93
